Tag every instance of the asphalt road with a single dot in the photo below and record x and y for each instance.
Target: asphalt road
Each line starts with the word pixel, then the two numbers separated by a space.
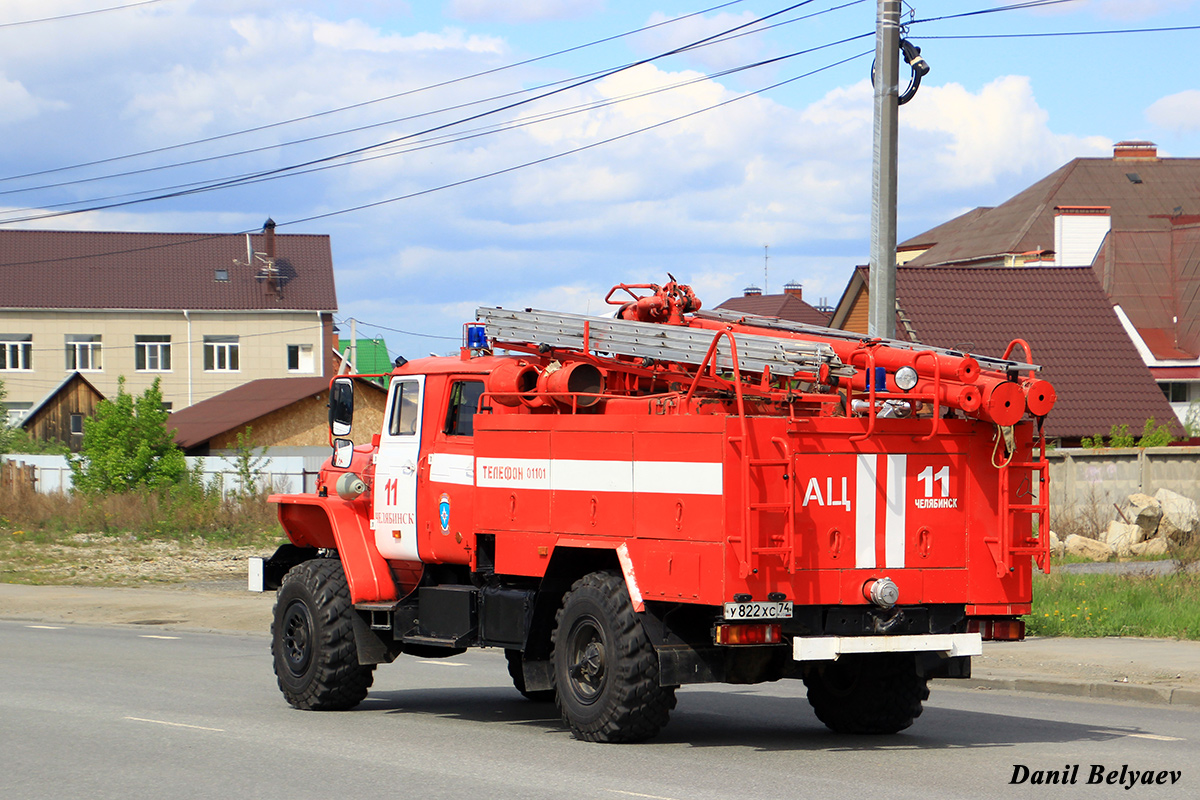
pixel 121 712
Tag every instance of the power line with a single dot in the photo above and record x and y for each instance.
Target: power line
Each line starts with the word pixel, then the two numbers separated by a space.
pixel 252 177
pixel 996 10
pixel 78 14
pixel 581 148
pixel 364 103
pixel 1065 33
pixel 475 133
pixel 346 131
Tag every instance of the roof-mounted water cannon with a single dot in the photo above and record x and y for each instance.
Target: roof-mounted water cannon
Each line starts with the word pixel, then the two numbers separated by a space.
pixel 666 303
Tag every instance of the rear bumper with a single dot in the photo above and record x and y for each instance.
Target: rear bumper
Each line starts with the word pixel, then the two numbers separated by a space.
pixel 830 648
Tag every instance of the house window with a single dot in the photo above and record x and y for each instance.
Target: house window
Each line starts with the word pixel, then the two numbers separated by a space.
pixel 220 354
pixel 464 399
pixel 300 358
pixel 15 412
pixel 16 351
pixel 77 424
pixel 152 353
pixel 220 274
pixel 1175 392
pixel 83 352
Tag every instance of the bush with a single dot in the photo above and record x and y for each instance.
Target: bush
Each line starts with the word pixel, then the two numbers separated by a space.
pixel 127 445
pixel 1119 436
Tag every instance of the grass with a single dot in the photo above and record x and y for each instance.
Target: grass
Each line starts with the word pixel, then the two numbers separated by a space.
pixel 1136 604
pixel 131 539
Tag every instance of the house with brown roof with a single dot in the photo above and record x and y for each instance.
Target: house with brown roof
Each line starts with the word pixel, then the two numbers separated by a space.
pixel 1133 218
pixel 1061 312
pixel 288 416
pixel 203 313
pixel 59 415
pixel 790 305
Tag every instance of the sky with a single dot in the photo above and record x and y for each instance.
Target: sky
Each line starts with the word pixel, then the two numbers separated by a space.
pixel 533 154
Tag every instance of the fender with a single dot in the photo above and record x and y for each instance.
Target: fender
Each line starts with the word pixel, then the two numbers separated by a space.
pixel 336 524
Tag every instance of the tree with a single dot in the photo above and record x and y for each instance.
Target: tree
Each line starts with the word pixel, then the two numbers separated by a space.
pixel 127 445
pixel 6 433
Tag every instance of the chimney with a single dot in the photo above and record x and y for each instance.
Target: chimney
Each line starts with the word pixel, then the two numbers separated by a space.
pixel 751 291
pixel 1078 233
pixel 793 288
pixel 269 238
pixel 1135 151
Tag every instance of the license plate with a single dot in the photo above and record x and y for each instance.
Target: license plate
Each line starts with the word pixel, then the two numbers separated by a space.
pixel 752 611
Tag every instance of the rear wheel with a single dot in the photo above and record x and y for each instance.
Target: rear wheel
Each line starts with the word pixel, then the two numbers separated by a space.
pixel 867 694
pixel 517 673
pixel 605 669
pixel 312 639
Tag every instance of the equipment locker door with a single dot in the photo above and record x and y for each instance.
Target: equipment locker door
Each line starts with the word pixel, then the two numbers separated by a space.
pixel 395 490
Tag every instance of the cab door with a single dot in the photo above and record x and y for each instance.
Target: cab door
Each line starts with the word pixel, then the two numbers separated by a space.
pixel 395 491
pixel 446 500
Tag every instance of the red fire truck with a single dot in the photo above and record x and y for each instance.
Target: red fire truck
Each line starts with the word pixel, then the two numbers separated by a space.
pixel 669 497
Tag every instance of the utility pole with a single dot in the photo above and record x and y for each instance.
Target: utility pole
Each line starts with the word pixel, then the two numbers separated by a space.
pixel 881 313
pixel 353 345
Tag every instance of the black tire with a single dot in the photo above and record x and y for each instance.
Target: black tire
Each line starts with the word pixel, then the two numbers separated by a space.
pixel 517 674
pixel 867 694
pixel 605 669
pixel 312 639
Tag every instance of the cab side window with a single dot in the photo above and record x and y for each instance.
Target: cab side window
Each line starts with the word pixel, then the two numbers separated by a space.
pixel 402 419
pixel 464 399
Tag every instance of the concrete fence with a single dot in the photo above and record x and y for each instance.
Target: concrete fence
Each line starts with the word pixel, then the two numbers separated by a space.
pixel 1090 480
pixel 52 473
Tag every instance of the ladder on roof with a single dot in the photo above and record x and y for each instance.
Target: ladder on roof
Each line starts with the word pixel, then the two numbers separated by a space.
pixel 674 343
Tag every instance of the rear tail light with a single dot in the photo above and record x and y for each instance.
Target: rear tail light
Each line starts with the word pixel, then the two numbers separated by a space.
pixel 768 633
pixel 998 630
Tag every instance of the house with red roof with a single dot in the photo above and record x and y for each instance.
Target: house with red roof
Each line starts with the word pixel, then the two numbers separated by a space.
pixel 203 313
pixel 287 416
pixel 789 306
pixel 1134 219
pixel 1073 334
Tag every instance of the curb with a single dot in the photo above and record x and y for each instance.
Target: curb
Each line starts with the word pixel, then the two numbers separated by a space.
pixel 1129 692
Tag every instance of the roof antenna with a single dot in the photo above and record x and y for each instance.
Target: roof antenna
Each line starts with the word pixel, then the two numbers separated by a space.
pixel 766 268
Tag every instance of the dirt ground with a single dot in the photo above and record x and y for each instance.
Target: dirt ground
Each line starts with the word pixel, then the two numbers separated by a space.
pixel 95 560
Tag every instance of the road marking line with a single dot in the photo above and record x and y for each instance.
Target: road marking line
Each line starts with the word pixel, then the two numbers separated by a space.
pixel 432 663
pixel 638 794
pixel 176 724
pixel 1152 736
pixel 45 627
pixel 1156 737
pixel 152 636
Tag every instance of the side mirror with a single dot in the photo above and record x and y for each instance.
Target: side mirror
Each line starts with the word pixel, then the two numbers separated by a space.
pixel 343 453
pixel 341 406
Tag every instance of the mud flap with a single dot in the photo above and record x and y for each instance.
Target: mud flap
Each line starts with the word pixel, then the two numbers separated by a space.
pixel 372 649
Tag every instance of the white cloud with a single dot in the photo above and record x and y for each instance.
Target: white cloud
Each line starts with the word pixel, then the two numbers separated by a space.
pixel 522 10
pixel 357 35
pixel 1139 9
pixel 972 139
pixel 19 104
pixel 1177 112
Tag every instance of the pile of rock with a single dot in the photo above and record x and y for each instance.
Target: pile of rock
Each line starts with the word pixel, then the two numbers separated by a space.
pixel 1145 526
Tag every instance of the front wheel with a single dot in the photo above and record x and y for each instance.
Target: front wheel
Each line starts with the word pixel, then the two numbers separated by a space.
pixel 312 639
pixel 605 669
pixel 867 694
